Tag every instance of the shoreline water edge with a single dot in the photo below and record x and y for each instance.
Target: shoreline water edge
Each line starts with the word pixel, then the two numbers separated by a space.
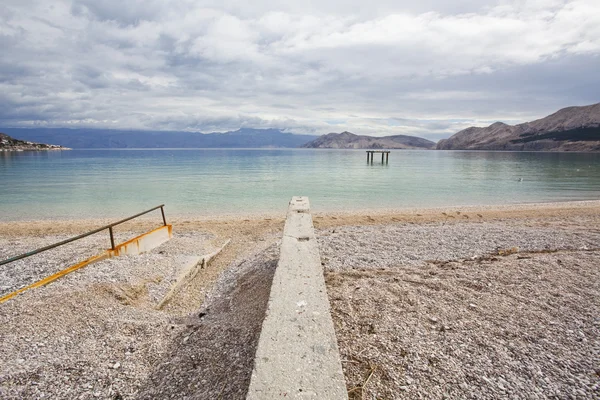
pixel 12 227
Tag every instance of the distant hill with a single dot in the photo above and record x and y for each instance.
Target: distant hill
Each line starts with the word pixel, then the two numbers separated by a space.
pixel 569 129
pixel 8 143
pixel 109 139
pixel 347 140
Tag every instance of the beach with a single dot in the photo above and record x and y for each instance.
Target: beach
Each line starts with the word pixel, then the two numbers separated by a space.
pixel 452 302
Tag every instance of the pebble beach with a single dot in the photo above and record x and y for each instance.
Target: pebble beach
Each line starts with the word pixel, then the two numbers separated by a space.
pixel 454 302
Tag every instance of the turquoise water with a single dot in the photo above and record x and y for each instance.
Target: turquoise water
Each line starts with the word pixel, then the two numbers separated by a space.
pixel 116 183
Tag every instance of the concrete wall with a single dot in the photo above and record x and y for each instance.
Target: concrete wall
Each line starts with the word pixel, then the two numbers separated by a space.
pixel 143 243
pixel 297 355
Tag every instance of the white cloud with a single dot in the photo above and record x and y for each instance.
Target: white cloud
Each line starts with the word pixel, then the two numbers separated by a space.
pixel 307 66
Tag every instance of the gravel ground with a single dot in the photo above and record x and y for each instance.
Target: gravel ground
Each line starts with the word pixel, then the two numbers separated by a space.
pixel 214 356
pixel 83 345
pixel 23 272
pixel 94 333
pixel 501 309
pixel 447 313
pixel 411 244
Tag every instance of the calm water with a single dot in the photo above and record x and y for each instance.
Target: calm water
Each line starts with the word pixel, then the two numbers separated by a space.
pixel 116 183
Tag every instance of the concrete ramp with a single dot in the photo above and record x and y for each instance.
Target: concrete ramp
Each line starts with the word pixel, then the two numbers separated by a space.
pixel 297 355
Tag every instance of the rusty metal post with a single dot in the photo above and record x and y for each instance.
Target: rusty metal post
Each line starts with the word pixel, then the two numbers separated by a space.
pixel 162 211
pixel 112 238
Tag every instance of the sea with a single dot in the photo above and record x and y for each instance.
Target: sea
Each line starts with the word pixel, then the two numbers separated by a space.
pixel 114 183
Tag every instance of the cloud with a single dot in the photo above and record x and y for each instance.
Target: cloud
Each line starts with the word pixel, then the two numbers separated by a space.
pixel 382 67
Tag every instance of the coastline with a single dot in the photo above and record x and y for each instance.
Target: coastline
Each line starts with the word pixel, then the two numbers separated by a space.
pixel 322 219
pixel 35 149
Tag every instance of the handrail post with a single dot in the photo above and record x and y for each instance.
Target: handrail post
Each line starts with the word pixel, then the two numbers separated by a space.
pixel 162 211
pixel 112 238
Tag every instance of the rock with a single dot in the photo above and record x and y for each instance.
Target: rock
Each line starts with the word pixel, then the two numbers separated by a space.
pixel 569 129
pixel 347 140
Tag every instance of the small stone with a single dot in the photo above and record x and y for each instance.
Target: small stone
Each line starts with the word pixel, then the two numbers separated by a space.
pixel 116 365
pixel 471 305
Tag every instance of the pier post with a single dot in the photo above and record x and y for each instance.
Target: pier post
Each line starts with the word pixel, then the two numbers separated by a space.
pixel 385 156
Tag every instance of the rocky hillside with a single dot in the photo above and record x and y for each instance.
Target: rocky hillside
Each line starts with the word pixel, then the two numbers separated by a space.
pixel 569 129
pixel 347 140
pixel 8 143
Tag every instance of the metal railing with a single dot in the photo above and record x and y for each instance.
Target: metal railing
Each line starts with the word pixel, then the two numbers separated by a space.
pixel 109 227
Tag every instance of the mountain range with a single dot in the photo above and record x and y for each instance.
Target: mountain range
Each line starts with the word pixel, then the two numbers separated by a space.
pixel 569 129
pixel 111 139
pixel 348 140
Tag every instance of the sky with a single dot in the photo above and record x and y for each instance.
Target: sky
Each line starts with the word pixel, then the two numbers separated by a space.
pixel 379 67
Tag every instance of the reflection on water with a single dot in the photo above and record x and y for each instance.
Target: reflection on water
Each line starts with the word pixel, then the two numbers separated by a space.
pixel 112 183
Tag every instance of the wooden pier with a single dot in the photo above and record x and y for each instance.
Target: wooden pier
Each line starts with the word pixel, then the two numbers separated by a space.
pixel 385 155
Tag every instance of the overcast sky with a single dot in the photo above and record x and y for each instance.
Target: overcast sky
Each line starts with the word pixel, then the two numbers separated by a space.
pixel 426 68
